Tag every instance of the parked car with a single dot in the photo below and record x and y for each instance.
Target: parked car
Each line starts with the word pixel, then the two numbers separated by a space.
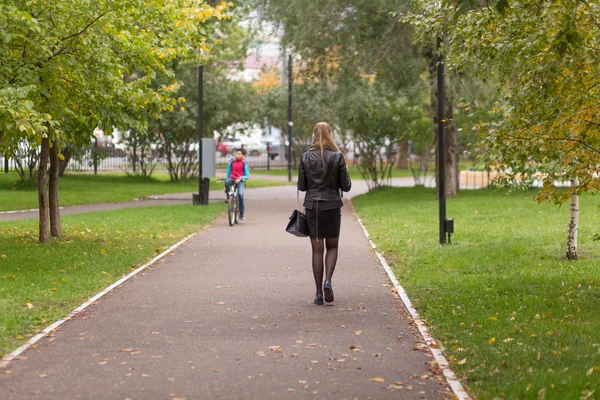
pixel 252 147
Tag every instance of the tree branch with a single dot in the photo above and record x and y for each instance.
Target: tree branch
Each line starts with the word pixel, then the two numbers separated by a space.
pixel 559 139
pixel 85 28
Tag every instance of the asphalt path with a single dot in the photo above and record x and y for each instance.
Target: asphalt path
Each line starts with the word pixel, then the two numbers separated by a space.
pixel 229 315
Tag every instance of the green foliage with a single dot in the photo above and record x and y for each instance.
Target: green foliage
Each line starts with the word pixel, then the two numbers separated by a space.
pixel 516 318
pixel 75 64
pixel 544 56
pixel 357 70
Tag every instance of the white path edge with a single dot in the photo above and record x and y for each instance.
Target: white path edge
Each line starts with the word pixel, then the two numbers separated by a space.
pixel 23 211
pixel 450 376
pixel 49 329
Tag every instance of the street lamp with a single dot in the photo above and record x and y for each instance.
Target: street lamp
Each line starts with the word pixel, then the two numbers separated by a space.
pixel 446 224
pixel 290 122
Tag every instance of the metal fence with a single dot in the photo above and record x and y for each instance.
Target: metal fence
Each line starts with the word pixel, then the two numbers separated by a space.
pixel 274 157
pixel 112 160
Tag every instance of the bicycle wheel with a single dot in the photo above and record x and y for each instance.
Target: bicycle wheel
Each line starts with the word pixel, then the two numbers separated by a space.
pixel 237 209
pixel 231 210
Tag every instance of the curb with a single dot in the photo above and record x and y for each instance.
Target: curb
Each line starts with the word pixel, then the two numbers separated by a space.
pixel 16 353
pixel 23 211
pixel 450 376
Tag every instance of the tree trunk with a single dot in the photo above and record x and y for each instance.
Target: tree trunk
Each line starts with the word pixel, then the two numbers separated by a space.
pixel 573 224
pixel 42 194
pixel 55 227
pixel 450 135
pixel 62 164
pixel 402 160
pixel 451 142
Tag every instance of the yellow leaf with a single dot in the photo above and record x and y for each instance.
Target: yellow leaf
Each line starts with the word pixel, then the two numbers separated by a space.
pixel 223 3
pixel 378 379
pixel 492 340
pixel 61 156
pixel 29 305
pixel 177 24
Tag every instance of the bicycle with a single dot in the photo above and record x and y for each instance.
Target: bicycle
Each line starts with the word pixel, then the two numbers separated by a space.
pixel 233 203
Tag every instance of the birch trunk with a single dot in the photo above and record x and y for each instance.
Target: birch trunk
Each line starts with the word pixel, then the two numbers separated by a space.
pixel 573 225
pixel 42 194
pixel 55 227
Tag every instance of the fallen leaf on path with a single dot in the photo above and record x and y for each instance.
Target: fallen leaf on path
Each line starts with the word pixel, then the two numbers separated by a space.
pixel 314 362
pixel 299 341
pixel 378 379
pixel 145 376
pixel 216 370
pixel 171 379
pixel 410 387
pixel 357 332
pixel 8 372
pixel 291 390
pixel 222 302
pixel 135 353
pixel 156 333
pixel 43 375
pixel 126 350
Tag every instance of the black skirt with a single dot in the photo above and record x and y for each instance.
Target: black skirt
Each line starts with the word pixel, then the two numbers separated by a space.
pixel 323 224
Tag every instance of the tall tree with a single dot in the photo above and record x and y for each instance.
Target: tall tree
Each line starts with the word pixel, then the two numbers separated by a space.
pixel 344 42
pixel 545 55
pixel 92 62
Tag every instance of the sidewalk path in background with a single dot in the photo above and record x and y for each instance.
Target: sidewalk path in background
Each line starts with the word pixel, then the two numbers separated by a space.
pixel 264 193
pixel 229 315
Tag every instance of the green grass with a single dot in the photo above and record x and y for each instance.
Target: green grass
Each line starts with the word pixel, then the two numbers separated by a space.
pixel 517 320
pixel 95 251
pixel 86 189
pixel 354 173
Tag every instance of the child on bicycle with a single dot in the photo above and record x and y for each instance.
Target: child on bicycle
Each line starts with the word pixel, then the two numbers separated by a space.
pixel 237 173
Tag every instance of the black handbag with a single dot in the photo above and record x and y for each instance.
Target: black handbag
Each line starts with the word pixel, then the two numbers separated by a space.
pixel 297 225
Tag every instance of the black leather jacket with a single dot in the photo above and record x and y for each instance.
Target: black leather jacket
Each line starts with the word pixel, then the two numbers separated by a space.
pixel 323 183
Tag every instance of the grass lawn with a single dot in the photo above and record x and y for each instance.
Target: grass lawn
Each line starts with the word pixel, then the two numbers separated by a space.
pixel 86 188
pixel 354 174
pixel 40 284
pixel 517 320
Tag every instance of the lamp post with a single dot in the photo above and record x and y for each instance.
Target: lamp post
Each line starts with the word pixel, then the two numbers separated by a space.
pixel 441 148
pixel 290 122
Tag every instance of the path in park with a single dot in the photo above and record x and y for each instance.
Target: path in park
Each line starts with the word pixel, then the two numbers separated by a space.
pixel 183 198
pixel 229 315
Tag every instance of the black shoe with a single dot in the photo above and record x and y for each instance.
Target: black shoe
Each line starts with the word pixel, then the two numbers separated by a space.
pixel 242 217
pixel 318 300
pixel 328 291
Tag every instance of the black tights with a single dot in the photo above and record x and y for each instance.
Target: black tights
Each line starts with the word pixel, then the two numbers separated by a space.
pixel 318 248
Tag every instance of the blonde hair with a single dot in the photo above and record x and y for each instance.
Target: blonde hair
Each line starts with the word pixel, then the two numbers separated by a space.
pixel 322 139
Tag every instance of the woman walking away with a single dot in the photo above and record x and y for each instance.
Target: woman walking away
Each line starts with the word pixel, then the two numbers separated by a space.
pixel 323 175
